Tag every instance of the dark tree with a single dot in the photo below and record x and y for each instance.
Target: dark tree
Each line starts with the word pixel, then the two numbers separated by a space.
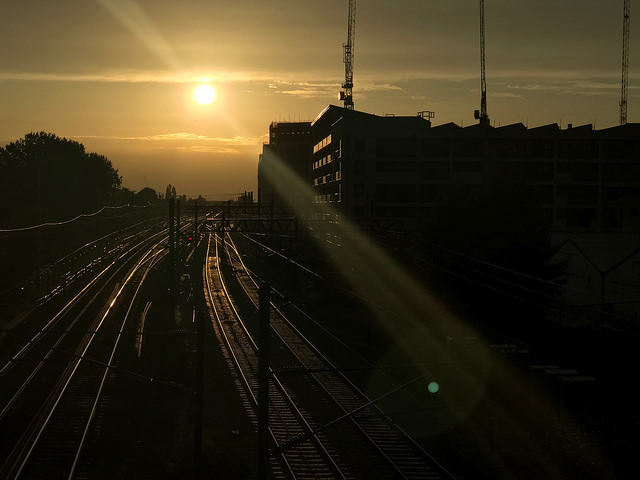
pixel 47 178
pixel 146 196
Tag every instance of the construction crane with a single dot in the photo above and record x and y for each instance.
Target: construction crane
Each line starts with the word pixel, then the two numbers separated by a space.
pixel 482 114
pixel 625 61
pixel 346 94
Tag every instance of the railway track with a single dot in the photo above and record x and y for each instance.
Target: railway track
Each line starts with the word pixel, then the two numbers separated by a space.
pixel 57 367
pixel 361 439
pixel 309 458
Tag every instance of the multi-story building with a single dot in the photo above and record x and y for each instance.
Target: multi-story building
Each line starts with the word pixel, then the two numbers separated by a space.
pixel 289 148
pixel 365 166
pixel 396 170
pixel 393 172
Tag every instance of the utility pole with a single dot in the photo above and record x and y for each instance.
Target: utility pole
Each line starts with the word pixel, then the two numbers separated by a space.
pixel 172 264
pixel 195 223
pixel 178 227
pixel 625 61
pixel 199 403
pixel 263 382
pixel 346 95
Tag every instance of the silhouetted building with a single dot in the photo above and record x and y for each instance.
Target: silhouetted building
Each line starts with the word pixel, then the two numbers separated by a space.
pixel 290 145
pixel 366 166
pixel 394 170
pixel 602 278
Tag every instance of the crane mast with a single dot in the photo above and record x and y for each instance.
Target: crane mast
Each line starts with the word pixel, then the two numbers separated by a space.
pixel 346 94
pixel 482 114
pixel 625 61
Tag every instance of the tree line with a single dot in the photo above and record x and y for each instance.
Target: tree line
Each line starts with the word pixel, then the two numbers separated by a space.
pixel 45 178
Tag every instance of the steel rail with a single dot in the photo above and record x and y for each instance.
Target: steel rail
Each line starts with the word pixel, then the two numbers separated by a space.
pixel 150 256
pixel 152 262
pixel 336 385
pixel 74 301
pixel 279 400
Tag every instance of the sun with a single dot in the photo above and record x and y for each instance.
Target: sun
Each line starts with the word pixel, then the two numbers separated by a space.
pixel 204 94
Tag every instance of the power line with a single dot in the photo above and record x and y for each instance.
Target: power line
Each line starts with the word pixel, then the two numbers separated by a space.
pixel 65 222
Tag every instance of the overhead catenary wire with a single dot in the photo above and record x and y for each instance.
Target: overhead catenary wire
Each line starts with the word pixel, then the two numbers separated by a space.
pixel 65 222
pixel 563 309
pixel 476 282
pixel 524 275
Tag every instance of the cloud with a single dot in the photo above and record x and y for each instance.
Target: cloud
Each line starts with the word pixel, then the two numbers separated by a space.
pixel 189 141
pixel 594 87
pixel 132 76
pixel 504 95
pixel 210 149
pixel 379 87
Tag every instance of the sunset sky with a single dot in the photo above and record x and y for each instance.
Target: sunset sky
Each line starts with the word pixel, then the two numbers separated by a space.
pixel 118 75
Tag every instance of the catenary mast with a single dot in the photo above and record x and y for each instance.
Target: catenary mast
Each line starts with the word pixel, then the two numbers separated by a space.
pixel 625 61
pixel 346 94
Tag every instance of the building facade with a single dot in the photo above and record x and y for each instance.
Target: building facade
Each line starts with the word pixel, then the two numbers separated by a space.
pixel 396 170
pixel 289 149
pixel 393 173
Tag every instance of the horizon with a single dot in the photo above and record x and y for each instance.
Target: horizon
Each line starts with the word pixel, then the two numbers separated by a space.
pixel 118 75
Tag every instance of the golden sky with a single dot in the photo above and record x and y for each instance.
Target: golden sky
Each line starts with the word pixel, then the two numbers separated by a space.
pixel 118 75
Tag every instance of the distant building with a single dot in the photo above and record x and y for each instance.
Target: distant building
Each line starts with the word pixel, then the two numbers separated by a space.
pixel 603 281
pixel 289 147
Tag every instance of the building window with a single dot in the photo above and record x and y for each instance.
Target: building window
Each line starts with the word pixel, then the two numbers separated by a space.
pixel 526 171
pixel 577 217
pixel 395 193
pixel 322 143
pixel 539 193
pixel 578 195
pixel 435 147
pixel 388 166
pixel 466 166
pixel 613 218
pixel 434 193
pixel 396 147
pixel 579 171
pixel 468 147
pixel 613 195
pixel 621 172
pixel 522 148
pixel 578 149
pixel 389 211
pixel 621 149
pixel 434 170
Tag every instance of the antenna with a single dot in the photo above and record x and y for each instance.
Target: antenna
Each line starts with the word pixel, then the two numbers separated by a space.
pixel 346 94
pixel 482 114
pixel 625 61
